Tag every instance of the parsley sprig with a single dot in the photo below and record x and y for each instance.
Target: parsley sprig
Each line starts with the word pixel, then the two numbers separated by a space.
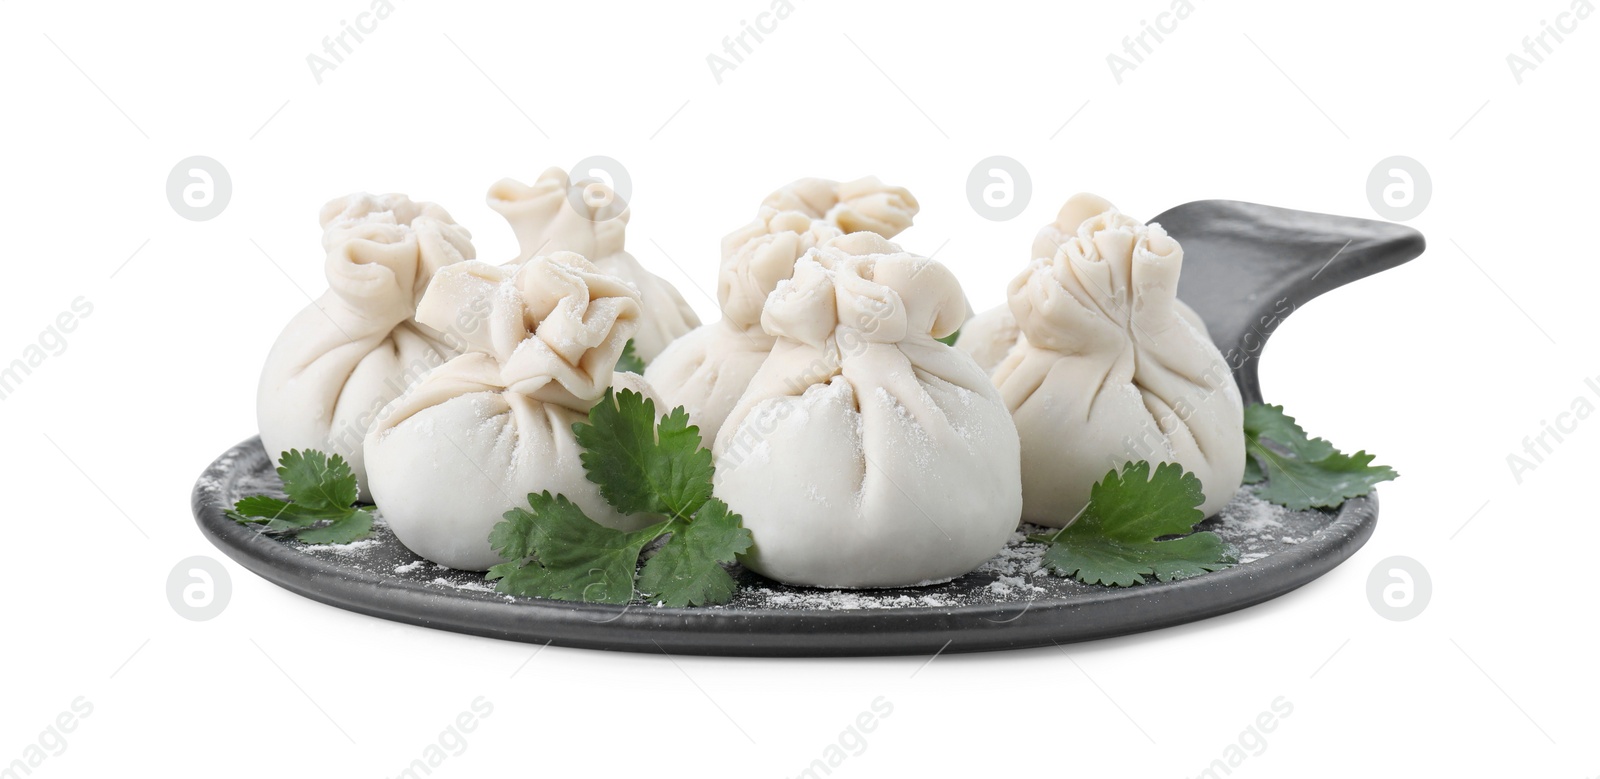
pixel 643 467
pixel 322 492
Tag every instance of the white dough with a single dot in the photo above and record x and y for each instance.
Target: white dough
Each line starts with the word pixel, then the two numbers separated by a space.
pixel 1107 366
pixel 545 221
pixel 475 437
pixel 707 370
pixel 989 336
pixel 865 453
pixel 344 357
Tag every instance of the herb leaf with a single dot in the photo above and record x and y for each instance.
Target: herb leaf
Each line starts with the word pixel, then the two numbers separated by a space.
pixel 558 552
pixel 1115 540
pixel 1303 472
pixel 629 361
pixel 641 466
pixel 351 527
pixel 688 570
pixel 950 340
pixel 318 482
pixel 261 509
pixel 320 488
pixel 1326 483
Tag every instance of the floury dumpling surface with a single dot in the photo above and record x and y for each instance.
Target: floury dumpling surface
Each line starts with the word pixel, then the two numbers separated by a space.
pixel 358 346
pixel 475 437
pixel 548 217
pixel 1101 364
pixel 708 370
pixel 989 336
pixel 865 453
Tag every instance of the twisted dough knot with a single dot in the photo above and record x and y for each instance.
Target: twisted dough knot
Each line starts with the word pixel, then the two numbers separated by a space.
pixel 551 328
pixel 792 221
pixel 545 218
pixel 758 257
pixel 1112 279
pixel 867 284
pixel 382 250
pixel 865 204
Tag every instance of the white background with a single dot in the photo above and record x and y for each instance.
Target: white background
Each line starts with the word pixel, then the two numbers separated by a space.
pixel 1442 366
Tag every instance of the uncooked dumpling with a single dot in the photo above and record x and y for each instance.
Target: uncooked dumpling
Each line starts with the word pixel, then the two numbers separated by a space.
pixel 865 453
pixel 1110 367
pixel 707 370
pixel 545 221
pixel 473 438
pixel 989 336
pixel 344 357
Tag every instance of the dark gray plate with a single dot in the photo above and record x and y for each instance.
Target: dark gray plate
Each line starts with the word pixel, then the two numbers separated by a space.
pixel 1244 265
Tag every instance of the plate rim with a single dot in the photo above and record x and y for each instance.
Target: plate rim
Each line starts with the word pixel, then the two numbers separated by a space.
pixel 767 632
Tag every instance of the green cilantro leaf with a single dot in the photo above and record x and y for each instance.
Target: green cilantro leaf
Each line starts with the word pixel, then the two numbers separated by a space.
pixel 353 526
pixel 513 538
pixel 950 340
pixel 688 571
pixel 256 508
pixel 1303 472
pixel 320 488
pixel 641 466
pixel 1265 421
pixel 557 551
pixel 261 509
pixel 1326 483
pixel 1115 540
pixel 572 556
pixel 317 482
pixel 629 361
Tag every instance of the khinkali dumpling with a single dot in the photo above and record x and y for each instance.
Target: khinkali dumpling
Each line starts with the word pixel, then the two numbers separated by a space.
pixel 707 370
pixel 989 336
pixel 1110 367
pixel 865 453
pixel 545 221
pixel 345 356
pixel 474 437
